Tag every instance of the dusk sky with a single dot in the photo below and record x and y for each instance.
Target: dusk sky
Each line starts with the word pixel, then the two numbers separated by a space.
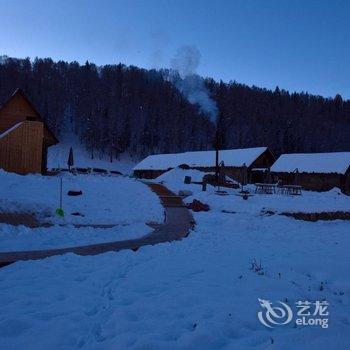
pixel 297 45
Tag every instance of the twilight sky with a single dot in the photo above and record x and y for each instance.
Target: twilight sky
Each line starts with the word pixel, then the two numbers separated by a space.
pixel 299 45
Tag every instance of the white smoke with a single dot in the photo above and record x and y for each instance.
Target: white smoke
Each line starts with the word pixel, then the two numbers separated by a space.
pixel 186 60
pixel 184 76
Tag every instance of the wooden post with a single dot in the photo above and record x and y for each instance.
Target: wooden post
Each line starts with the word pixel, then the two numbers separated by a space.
pixel 61 188
pixel 216 157
pixel 59 211
pixel 70 161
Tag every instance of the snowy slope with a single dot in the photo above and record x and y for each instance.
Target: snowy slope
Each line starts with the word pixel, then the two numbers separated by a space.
pixel 58 157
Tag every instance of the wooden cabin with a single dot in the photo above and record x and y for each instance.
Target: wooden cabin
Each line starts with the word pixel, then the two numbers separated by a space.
pixel 234 160
pixel 314 171
pixel 24 136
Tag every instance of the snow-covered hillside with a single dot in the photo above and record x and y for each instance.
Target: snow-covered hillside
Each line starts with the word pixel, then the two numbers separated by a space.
pixel 198 293
pixel 58 157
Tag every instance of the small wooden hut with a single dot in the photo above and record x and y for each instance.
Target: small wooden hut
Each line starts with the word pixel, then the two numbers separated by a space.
pixel 315 171
pixel 24 137
pixel 234 160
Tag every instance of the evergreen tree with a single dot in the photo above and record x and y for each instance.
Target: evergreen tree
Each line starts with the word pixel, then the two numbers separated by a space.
pixel 115 109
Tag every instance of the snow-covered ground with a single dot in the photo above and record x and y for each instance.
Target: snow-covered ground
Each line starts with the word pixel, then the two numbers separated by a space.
pixel 106 200
pixel 309 201
pixel 15 238
pixel 199 293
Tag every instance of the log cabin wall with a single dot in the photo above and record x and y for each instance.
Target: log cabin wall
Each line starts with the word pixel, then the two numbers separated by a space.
pixel 265 160
pixel 233 172
pixel 347 182
pixel 316 181
pixel 21 150
pixel 16 110
pixel 148 174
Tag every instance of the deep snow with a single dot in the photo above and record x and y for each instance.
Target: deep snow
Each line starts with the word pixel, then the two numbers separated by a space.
pixel 199 293
pixel 106 200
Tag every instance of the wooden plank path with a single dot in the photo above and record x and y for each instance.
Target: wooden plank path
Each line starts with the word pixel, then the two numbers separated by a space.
pixel 178 222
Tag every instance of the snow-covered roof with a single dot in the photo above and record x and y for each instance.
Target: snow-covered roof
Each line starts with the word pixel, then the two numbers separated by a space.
pixel 52 139
pixel 232 157
pixel 9 130
pixel 335 162
pixel 160 162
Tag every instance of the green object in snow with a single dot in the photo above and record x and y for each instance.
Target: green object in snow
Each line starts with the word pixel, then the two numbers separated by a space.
pixel 60 212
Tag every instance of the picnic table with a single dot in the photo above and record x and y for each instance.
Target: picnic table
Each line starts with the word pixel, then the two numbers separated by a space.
pixel 277 188
pixel 290 189
pixel 265 188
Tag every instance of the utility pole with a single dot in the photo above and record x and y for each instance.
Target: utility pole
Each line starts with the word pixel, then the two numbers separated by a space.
pixel 217 146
